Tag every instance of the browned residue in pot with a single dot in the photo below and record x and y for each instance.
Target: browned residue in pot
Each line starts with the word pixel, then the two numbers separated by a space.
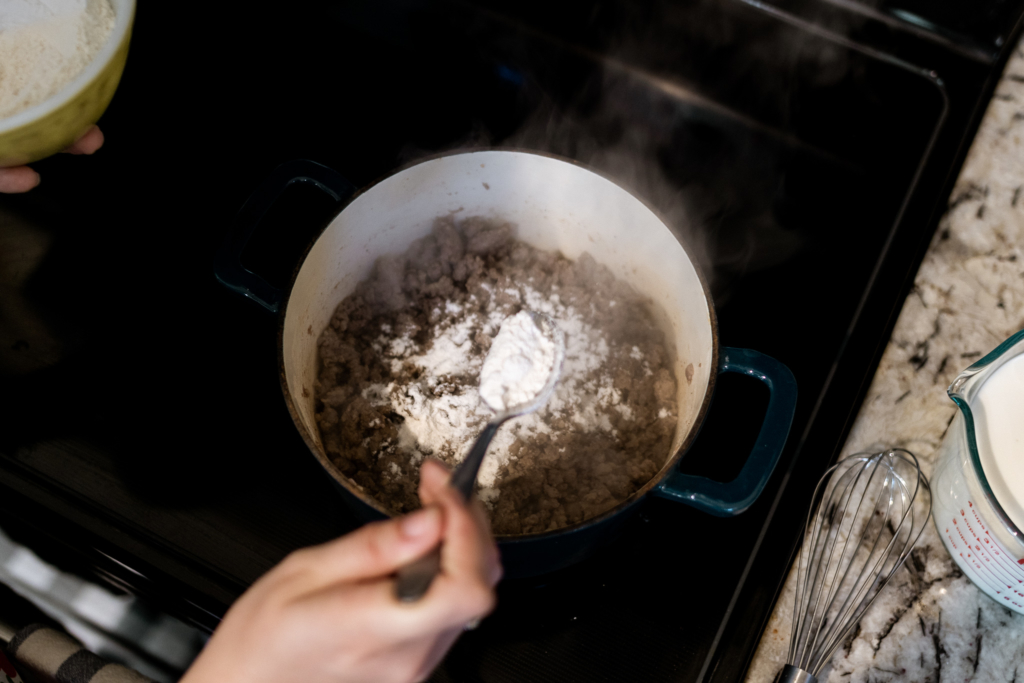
pixel 589 456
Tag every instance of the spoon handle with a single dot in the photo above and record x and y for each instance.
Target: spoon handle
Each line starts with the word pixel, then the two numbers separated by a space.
pixel 415 578
pixel 464 476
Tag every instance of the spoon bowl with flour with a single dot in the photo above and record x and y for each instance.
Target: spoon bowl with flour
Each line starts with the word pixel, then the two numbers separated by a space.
pixel 519 373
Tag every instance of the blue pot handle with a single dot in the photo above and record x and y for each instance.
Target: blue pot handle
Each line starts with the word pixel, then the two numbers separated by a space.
pixel 732 498
pixel 228 264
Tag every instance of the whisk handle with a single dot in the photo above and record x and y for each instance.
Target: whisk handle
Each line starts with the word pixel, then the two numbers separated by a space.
pixel 727 499
pixel 794 674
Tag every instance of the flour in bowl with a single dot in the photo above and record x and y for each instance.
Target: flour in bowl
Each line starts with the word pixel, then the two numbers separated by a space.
pixel 45 44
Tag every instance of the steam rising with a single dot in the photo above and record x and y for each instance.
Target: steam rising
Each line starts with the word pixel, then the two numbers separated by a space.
pixel 709 159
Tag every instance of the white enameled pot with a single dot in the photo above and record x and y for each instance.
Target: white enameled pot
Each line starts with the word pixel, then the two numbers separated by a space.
pixel 556 205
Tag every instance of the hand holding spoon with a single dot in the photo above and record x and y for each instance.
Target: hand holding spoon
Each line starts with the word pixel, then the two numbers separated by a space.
pixel 518 376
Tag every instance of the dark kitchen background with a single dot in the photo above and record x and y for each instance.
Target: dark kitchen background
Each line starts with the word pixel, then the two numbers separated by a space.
pixel 803 151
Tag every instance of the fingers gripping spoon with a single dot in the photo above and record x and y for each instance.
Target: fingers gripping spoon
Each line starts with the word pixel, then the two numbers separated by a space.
pixel 518 376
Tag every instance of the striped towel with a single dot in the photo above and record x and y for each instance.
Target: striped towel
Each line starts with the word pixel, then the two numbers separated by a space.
pixel 55 656
pixel 117 627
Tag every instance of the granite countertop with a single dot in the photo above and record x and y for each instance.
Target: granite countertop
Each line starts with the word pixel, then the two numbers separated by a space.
pixel 931 623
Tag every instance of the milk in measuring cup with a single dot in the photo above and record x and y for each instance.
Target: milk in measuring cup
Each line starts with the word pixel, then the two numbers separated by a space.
pixel 999 426
pixel 981 526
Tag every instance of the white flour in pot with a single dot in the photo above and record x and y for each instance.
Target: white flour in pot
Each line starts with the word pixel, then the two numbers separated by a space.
pixel 45 44
pixel 518 365
pixel 444 418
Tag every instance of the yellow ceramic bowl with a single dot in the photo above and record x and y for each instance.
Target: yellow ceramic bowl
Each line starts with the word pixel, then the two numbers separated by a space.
pixel 55 123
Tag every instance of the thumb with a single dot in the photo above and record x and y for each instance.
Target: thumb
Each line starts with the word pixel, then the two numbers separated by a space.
pixel 380 548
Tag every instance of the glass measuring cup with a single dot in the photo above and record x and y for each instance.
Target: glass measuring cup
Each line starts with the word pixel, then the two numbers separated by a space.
pixel 975 528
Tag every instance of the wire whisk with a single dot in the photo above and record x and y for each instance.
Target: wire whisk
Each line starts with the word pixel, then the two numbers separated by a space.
pixel 867 513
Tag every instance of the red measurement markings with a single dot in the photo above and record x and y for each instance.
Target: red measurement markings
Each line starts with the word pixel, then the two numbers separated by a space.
pixel 989 571
pixel 983 554
pixel 1011 568
pixel 973 560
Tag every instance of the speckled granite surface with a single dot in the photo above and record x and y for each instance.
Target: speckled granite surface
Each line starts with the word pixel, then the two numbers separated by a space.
pixel 931 623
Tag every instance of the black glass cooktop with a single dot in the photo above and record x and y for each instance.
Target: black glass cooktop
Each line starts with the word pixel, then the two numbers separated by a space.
pixel 802 150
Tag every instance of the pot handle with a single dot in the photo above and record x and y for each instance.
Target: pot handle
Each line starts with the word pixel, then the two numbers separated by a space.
pixel 228 264
pixel 728 499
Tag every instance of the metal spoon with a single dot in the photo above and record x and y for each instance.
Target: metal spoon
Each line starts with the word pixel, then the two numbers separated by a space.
pixel 415 578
